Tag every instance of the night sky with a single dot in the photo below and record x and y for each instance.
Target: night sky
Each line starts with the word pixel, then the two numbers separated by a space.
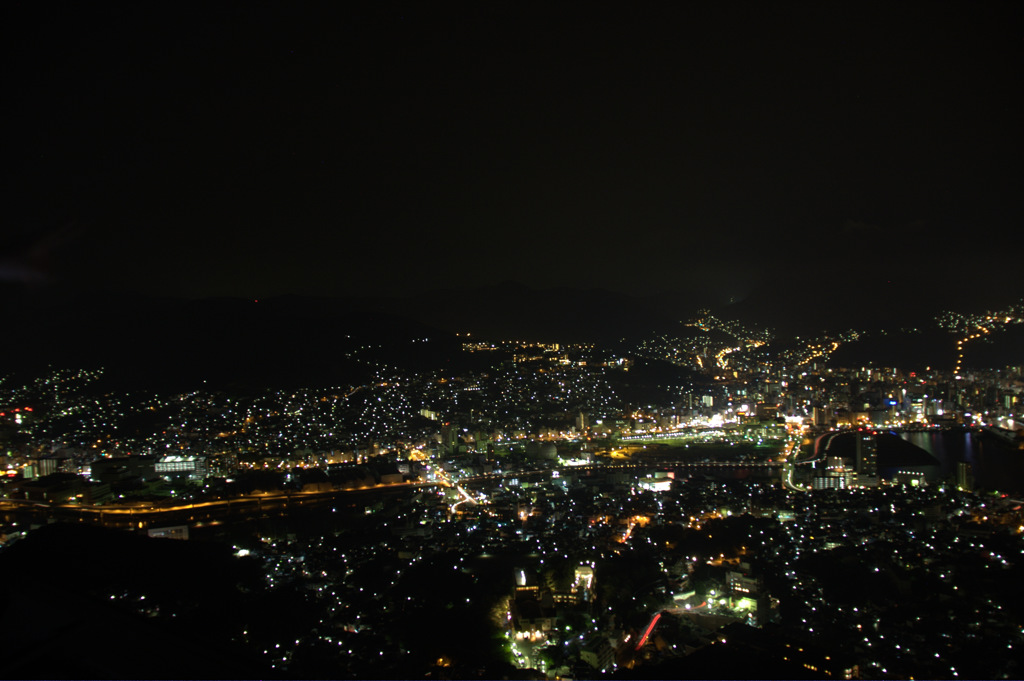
pixel 255 149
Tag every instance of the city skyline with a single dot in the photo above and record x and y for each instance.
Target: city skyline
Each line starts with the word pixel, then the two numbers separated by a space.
pixel 566 341
pixel 684 504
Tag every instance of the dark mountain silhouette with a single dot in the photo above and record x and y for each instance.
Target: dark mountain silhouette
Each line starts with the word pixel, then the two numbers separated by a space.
pixel 172 343
pixel 167 343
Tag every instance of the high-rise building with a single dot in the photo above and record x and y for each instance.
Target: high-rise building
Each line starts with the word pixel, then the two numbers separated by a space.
pixel 964 477
pixel 822 415
pixel 867 454
pixel 449 437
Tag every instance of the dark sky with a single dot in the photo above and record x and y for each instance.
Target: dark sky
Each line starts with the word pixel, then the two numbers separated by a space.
pixel 254 149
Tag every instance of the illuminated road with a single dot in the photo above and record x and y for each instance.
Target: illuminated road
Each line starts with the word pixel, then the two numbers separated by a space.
pixel 688 609
pixel 140 515
pixel 792 452
pixel 261 499
pixel 143 515
pixel 445 480
pixel 787 479
pixel 465 498
pixel 655 464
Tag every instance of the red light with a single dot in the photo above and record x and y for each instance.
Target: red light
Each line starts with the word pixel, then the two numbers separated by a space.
pixel 28 408
pixel 650 628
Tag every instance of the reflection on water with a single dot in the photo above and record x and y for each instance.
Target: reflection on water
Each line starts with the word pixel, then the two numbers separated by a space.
pixel 994 464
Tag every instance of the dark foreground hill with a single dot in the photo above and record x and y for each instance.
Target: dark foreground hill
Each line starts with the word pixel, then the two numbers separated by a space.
pixel 83 603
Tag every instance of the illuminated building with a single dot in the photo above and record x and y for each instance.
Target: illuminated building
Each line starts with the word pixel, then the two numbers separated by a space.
pixel 223 465
pixel 170 532
pixel 742 584
pixel 835 475
pixel 822 415
pixel 964 477
pixel 176 464
pixel 866 454
pixel 584 581
pixel 659 482
pixel 449 438
pixel 46 465
pixel 532 610
pixel 912 478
